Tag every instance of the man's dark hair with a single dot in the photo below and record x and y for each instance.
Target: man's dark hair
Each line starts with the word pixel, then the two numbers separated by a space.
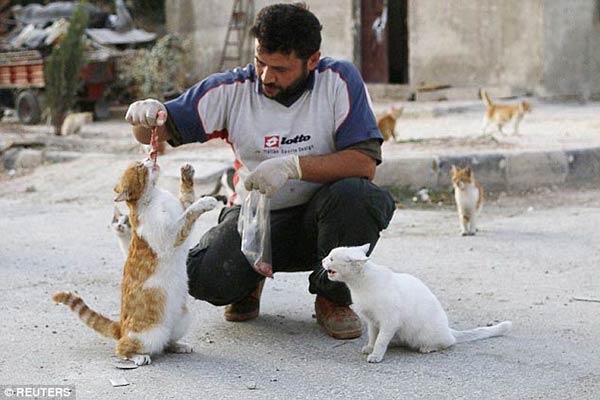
pixel 287 28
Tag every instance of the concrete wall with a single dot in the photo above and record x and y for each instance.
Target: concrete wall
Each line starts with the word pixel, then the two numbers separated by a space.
pixel 571 49
pixel 550 47
pixel 470 43
pixel 206 26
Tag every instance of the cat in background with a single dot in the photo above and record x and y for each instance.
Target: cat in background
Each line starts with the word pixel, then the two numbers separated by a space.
pixel 500 114
pixel 387 122
pixel 469 198
pixel 154 315
pixel 74 122
pixel 226 184
pixel 398 308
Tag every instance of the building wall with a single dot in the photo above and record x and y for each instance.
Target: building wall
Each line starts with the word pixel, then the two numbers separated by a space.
pixel 470 43
pixel 571 49
pixel 206 26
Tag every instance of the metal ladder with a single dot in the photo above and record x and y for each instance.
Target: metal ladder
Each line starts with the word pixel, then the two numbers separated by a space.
pixel 237 33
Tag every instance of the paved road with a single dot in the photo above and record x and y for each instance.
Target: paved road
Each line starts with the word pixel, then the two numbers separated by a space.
pixel 533 255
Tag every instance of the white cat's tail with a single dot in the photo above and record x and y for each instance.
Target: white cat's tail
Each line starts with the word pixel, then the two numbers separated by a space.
pixel 91 318
pixel 482 333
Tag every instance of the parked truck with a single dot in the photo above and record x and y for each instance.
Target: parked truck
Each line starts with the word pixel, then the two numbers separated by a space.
pixel 22 85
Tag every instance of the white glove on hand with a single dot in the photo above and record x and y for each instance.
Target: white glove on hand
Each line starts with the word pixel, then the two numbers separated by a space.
pixel 272 174
pixel 145 113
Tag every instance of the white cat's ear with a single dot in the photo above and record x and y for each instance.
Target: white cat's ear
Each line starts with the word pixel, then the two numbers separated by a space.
pixel 365 249
pixel 453 169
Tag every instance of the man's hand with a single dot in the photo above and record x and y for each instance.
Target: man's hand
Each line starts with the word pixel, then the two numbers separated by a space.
pixel 145 113
pixel 272 174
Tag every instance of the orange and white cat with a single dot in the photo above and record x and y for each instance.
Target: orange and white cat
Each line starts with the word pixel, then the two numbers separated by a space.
pixel 469 198
pixel 154 288
pixel 501 114
pixel 387 122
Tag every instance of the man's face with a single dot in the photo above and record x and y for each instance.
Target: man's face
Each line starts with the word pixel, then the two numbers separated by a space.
pixel 282 74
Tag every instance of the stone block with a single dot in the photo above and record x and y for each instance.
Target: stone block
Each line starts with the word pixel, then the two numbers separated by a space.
pixel 528 170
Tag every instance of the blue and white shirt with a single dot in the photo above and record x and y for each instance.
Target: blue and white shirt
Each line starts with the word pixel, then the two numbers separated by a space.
pixel 333 114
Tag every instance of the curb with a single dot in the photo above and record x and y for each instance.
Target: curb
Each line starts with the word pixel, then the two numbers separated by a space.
pixel 510 172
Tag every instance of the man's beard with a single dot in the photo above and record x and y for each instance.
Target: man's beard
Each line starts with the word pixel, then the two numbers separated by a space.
pixel 292 92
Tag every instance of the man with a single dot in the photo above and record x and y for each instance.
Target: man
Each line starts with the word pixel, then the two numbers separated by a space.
pixel 303 133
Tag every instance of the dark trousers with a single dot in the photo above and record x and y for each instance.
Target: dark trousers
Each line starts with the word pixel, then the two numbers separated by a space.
pixel 349 212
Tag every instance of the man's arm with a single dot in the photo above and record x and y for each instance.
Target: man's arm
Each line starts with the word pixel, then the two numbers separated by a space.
pixel 335 166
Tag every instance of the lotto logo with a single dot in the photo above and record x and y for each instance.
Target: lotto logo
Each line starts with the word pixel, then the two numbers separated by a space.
pixel 271 141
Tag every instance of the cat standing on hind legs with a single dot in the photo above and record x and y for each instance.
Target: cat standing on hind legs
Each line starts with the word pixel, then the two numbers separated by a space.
pixel 468 195
pixel 154 288
pixel 398 308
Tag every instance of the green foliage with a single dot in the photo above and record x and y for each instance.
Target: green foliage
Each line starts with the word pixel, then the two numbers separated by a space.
pixel 62 70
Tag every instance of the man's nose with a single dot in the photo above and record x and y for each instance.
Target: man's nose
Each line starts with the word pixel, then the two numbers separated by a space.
pixel 267 77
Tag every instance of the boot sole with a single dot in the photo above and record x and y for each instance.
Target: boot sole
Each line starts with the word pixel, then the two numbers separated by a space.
pixel 342 335
pixel 241 317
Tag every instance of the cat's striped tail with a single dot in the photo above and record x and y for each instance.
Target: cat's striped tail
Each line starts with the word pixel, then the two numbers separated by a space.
pixel 91 318
pixel 486 98
pixel 482 333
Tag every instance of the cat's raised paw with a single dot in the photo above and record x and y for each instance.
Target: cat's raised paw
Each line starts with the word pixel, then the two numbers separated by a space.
pixel 206 203
pixel 366 349
pixel 374 358
pixel 187 174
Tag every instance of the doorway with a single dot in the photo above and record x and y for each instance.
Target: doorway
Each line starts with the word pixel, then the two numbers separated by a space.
pixel 384 41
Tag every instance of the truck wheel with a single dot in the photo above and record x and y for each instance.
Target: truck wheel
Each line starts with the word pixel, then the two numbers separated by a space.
pixel 28 108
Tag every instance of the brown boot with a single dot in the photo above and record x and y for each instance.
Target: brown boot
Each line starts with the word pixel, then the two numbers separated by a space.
pixel 247 308
pixel 339 322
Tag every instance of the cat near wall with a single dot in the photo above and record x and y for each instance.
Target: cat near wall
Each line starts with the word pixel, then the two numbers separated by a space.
pixel 468 195
pixel 501 114
pixel 154 315
pixel 387 122
pixel 398 308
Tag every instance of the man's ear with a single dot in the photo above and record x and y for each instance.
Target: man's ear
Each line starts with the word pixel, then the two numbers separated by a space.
pixel 313 60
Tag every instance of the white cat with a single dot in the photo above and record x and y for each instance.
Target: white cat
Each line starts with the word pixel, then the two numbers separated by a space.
pixel 397 307
pixel 122 229
pixel 74 122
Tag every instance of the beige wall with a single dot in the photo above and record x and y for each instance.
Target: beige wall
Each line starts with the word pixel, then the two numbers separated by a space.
pixel 546 46
pixel 571 48
pixel 206 26
pixel 465 42
pixel 550 47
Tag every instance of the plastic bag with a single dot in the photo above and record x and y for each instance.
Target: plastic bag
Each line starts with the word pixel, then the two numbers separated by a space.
pixel 254 226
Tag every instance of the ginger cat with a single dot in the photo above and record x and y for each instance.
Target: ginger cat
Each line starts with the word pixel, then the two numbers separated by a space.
pixel 398 308
pixel 500 114
pixel 387 122
pixel 154 288
pixel 469 198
